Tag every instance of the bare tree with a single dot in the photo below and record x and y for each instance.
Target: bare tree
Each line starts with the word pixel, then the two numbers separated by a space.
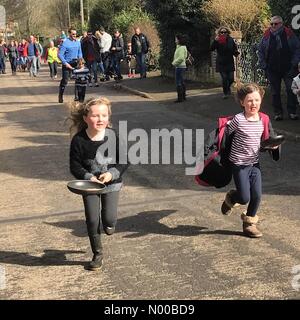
pixel 238 15
pixel 60 14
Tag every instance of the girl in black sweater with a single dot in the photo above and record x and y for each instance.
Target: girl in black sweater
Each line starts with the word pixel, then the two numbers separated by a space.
pixel 94 155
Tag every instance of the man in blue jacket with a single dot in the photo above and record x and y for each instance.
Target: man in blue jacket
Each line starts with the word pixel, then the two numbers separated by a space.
pixel 279 54
pixel 69 53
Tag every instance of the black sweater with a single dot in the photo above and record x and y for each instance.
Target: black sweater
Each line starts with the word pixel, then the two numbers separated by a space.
pixel 87 160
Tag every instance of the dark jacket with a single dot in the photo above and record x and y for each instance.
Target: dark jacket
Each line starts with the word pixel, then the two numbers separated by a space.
pixel 2 51
pixel 118 43
pixel 217 170
pixel 12 52
pixel 90 49
pixel 144 43
pixel 264 48
pixel 225 53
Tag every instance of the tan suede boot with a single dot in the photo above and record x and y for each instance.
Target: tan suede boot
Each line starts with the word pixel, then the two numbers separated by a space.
pixel 249 226
pixel 228 203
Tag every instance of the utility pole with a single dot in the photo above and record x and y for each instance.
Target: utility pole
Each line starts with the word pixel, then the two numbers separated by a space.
pixel 69 14
pixel 88 10
pixel 82 15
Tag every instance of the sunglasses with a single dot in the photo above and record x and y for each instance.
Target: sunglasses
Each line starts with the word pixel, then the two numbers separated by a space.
pixel 274 23
pixel 73 34
pixel 223 32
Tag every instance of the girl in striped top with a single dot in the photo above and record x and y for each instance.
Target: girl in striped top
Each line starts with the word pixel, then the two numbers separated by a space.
pixel 247 130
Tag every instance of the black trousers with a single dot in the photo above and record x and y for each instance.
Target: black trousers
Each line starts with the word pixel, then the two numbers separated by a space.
pixel 65 76
pixel 80 93
pixel 227 81
pixel 275 79
pixel 106 63
pixel 101 208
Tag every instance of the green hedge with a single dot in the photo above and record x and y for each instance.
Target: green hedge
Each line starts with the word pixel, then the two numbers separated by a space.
pixel 185 17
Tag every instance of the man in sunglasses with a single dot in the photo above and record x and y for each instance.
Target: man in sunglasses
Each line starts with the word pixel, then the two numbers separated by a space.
pixel 69 53
pixel 279 54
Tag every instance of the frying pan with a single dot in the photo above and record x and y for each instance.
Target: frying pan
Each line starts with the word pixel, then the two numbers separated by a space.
pixel 85 187
pixel 272 142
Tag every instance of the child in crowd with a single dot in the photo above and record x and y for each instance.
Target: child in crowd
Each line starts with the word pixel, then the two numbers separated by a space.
pixel 131 61
pixel 82 76
pixel 92 122
pixel 247 130
pixel 296 89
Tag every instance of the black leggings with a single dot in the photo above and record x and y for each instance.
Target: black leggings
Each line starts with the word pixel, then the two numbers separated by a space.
pixel 109 211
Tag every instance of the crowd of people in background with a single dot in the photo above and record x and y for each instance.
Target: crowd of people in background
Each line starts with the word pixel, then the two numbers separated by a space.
pixel 101 53
pixel 104 54
pixel 22 55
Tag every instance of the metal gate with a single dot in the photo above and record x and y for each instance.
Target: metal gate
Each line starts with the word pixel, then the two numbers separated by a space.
pixel 247 68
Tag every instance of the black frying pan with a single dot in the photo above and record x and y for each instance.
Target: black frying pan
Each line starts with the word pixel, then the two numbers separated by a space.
pixel 272 142
pixel 85 187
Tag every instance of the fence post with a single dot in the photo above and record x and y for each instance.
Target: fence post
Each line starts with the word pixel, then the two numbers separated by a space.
pixel 237 36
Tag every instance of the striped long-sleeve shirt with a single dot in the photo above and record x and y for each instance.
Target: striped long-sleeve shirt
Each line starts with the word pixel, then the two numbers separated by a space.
pixel 246 140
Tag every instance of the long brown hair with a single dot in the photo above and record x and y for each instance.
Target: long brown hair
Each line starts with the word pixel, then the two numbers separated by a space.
pixel 79 110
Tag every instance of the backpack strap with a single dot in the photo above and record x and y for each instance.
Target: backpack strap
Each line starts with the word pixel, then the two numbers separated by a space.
pixel 266 120
pixel 222 123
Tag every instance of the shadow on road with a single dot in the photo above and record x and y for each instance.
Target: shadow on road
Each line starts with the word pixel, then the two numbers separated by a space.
pixel 49 258
pixel 139 225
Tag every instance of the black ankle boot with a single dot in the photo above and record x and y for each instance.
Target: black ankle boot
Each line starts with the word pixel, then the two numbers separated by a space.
pixel 179 94
pixel 61 95
pixel 96 262
pixel 96 246
pixel 184 92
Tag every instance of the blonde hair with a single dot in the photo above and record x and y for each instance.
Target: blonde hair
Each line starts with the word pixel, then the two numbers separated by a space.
pixel 79 110
pixel 98 34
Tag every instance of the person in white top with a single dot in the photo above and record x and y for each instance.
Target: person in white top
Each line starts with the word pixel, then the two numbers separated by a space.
pixel 105 44
pixel 296 86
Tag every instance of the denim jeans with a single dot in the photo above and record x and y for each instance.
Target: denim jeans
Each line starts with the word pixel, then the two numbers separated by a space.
pixel 141 62
pixel 100 67
pixel 115 61
pixel 32 65
pixel 2 65
pixel 53 69
pixel 247 180
pixel 179 76
pixel 92 66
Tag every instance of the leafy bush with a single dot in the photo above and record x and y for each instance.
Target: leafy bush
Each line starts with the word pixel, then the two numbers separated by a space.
pixel 126 21
pixel 104 11
pixel 185 17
